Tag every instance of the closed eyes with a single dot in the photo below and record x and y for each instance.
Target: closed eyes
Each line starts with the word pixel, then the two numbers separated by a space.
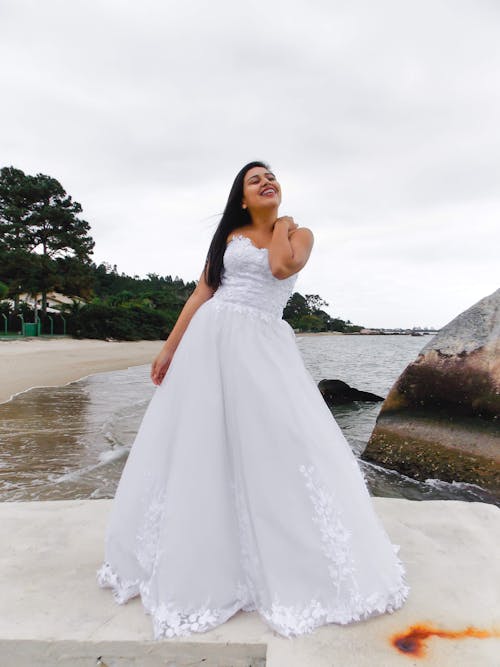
pixel 257 177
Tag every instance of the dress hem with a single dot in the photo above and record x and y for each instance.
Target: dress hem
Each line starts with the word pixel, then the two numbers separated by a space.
pixel 287 621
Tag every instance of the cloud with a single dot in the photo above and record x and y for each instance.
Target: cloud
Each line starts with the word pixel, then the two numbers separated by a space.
pixel 380 120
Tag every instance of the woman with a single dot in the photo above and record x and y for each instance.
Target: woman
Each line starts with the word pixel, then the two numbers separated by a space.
pixel 240 491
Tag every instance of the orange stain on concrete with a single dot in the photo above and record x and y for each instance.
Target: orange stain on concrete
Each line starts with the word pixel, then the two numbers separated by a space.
pixel 412 641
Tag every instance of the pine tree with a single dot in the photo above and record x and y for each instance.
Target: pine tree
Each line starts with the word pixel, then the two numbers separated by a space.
pixel 39 225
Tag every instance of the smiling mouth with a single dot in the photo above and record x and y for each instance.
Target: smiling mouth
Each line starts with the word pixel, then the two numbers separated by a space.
pixel 267 192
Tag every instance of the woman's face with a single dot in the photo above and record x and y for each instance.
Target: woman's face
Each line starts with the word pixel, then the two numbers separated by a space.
pixel 260 189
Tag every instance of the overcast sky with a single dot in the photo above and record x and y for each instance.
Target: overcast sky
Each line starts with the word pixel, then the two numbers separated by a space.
pixel 380 120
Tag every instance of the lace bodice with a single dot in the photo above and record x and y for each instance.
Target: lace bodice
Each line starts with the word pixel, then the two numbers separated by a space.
pixel 248 283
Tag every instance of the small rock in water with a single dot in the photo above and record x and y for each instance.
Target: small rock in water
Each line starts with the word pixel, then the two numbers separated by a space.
pixel 336 392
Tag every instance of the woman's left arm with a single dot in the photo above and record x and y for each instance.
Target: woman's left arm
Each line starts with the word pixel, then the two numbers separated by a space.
pixel 290 247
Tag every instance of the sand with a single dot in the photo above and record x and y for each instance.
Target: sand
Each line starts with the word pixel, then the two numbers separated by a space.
pixel 48 362
pixel 44 362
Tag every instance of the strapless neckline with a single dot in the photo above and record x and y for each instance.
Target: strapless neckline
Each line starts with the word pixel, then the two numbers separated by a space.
pixel 241 237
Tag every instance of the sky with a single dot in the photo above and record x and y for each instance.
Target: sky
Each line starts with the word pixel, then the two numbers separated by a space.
pixel 380 121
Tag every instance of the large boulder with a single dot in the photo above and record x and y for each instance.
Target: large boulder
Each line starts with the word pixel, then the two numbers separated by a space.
pixel 441 417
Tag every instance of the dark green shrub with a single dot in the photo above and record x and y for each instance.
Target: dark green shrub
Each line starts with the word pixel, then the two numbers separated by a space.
pixel 131 323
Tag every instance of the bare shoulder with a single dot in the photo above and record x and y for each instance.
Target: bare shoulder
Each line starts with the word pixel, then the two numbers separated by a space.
pixel 304 234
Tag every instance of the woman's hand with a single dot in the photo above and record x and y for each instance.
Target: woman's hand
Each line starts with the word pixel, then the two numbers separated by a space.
pixel 288 221
pixel 160 365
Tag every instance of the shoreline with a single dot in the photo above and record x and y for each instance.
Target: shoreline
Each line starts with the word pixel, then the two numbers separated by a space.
pixel 27 363
pixel 42 362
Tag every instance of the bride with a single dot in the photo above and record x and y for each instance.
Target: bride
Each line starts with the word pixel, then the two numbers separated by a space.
pixel 240 491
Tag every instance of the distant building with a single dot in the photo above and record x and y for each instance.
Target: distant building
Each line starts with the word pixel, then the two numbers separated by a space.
pixel 54 301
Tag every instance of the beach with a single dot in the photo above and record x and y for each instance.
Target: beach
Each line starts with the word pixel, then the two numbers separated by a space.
pixel 51 362
pixel 46 362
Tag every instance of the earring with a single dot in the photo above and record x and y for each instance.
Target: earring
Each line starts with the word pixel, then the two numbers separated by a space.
pixel 243 206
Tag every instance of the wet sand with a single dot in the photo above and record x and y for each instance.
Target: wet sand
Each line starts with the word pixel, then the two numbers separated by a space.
pixel 44 362
pixel 49 362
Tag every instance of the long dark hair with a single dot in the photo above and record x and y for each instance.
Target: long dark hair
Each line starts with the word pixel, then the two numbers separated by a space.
pixel 234 216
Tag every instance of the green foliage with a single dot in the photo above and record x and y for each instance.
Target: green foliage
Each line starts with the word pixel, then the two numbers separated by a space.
pixel 310 323
pixel 128 308
pixel 132 323
pixel 75 278
pixel 5 308
pixel 163 291
pixel 295 309
pixel 304 313
pixel 315 302
pixel 37 215
pixel 40 228
pixel 25 310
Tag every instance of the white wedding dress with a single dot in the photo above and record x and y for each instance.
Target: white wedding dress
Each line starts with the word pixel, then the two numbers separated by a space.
pixel 240 490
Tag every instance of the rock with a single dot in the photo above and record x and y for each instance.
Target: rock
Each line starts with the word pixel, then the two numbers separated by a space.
pixel 336 392
pixel 441 417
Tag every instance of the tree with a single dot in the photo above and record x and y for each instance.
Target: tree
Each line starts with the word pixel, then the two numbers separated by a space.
pixel 15 202
pixel 38 218
pixel 295 308
pixel 20 272
pixel 310 323
pixel 315 302
pixel 75 278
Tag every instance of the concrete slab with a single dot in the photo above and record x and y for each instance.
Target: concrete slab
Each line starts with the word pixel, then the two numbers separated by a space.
pixel 52 612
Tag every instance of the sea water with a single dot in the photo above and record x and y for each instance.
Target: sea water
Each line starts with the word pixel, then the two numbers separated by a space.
pixel 71 442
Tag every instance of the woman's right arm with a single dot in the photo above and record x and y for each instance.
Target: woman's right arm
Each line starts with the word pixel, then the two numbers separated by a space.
pixel 201 293
pixel 290 247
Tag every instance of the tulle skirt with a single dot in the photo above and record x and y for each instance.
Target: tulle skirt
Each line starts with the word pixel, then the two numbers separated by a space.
pixel 241 492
